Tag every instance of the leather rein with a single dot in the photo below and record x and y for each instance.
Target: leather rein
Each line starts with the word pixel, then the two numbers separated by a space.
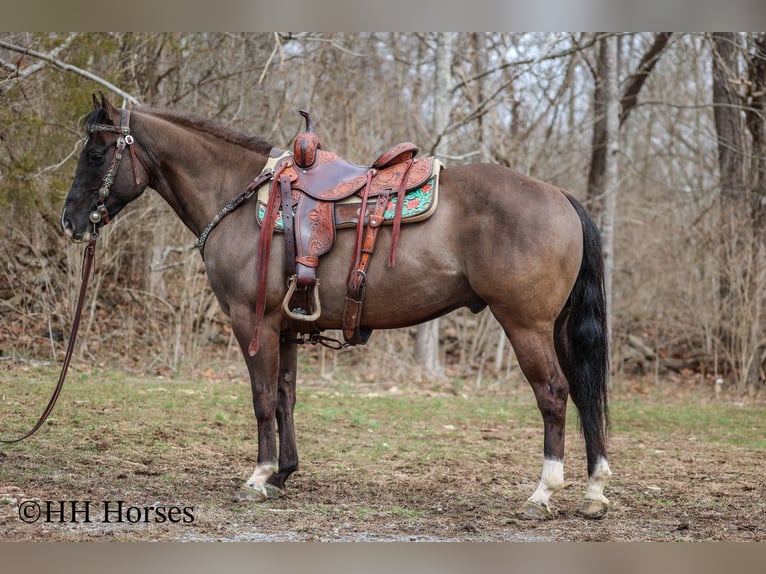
pixel 99 215
pixel 87 266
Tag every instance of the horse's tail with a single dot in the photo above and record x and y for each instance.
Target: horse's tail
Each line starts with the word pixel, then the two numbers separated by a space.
pixel 583 340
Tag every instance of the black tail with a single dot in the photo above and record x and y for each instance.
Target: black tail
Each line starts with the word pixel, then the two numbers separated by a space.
pixel 586 341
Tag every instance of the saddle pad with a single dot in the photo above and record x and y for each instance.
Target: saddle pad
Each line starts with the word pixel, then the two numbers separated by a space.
pixel 419 204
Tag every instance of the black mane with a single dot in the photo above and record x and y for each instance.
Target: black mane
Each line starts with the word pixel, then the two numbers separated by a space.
pixel 254 143
pixel 191 121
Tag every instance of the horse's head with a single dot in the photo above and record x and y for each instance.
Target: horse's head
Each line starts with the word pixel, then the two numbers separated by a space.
pixel 103 183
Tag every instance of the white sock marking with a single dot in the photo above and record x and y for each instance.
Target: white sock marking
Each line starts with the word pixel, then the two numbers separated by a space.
pixel 552 480
pixel 261 475
pixel 598 481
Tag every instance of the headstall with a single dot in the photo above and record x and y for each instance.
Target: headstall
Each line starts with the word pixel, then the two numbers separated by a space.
pixel 124 139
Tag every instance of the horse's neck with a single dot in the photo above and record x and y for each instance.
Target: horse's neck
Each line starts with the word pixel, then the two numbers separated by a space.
pixel 197 174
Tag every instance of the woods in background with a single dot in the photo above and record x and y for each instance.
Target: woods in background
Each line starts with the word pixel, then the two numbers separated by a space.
pixel 661 134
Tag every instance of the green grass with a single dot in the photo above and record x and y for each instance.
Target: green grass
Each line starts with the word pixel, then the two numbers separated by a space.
pixel 367 458
pixel 719 423
pixel 107 415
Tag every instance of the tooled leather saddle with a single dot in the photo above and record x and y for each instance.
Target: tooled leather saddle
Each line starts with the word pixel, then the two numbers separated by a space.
pixel 307 194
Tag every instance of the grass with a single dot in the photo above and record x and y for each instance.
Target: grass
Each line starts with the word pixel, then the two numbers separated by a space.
pixel 716 423
pixel 367 455
pixel 131 412
pixel 108 420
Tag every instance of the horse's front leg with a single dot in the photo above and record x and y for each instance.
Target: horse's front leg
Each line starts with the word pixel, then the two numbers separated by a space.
pixel 288 451
pixel 264 373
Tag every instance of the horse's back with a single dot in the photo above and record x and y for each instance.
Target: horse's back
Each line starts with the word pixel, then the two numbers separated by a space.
pixel 497 237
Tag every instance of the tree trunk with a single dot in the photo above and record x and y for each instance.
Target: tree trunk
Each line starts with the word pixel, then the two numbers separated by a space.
pixel 739 293
pixel 608 53
pixel 755 117
pixel 728 122
pixel 636 80
pixel 427 341
pixel 627 102
pixel 595 196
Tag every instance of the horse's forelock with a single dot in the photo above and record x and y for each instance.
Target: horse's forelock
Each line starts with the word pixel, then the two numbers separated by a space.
pixel 97 116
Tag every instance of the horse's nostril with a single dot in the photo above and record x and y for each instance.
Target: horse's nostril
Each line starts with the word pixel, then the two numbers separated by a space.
pixel 66 226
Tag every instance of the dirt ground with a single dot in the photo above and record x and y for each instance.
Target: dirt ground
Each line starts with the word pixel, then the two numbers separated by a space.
pixel 468 504
pixel 665 488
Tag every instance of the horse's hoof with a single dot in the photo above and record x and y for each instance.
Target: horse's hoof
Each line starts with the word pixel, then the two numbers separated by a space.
pixel 535 511
pixel 593 509
pixel 274 491
pixel 249 493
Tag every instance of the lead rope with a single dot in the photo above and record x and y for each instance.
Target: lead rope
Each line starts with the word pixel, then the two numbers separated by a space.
pixel 88 257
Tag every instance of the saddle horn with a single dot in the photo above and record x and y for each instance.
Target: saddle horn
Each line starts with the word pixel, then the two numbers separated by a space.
pixel 306 144
pixel 309 124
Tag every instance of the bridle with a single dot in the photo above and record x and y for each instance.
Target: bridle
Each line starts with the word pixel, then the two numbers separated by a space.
pixel 124 139
pixel 99 215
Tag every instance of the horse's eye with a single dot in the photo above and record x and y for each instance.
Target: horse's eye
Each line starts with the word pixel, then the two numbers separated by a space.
pixel 95 157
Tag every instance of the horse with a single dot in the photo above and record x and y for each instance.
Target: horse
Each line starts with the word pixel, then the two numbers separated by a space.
pixel 526 249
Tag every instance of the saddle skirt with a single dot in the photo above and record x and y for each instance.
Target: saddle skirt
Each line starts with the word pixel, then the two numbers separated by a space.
pixel 332 179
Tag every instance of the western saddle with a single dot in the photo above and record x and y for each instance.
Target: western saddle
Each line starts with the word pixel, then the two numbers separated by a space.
pixel 311 192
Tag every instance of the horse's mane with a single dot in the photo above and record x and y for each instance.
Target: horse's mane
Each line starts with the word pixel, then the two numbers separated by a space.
pixel 191 121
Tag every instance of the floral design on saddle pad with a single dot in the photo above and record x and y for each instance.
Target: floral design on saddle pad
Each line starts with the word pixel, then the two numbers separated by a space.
pixel 418 205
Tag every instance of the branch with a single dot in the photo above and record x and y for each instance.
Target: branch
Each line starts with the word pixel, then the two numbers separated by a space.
pixel 637 79
pixel 29 70
pixel 50 58
pixel 517 63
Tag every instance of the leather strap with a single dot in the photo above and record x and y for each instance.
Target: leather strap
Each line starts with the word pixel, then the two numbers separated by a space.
pixel 368 245
pixel 398 214
pixel 264 256
pixel 360 229
pixel 300 297
pixel 288 223
pixel 88 256
pixel 363 249
pixel 251 189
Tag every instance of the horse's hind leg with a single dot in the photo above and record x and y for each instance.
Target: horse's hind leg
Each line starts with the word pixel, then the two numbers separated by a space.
pixel 537 359
pixel 288 452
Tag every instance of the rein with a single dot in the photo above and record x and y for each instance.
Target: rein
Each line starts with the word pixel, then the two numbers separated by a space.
pixel 87 265
pixel 99 215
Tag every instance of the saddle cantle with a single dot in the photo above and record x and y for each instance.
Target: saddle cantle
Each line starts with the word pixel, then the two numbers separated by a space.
pixel 312 193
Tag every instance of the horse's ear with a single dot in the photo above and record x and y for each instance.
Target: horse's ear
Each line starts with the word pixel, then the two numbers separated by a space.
pixel 96 105
pixel 111 112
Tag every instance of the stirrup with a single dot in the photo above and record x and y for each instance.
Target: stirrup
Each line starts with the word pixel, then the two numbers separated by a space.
pixel 296 316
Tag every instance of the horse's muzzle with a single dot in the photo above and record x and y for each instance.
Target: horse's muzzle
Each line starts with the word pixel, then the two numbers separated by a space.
pixel 69 229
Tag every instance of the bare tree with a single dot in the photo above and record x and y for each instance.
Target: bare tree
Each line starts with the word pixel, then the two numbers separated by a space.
pixel 742 272
pixel 627 101
pixel 686 279
pixel 755 117
pixel 427 339
pixel 728 116
pixel 608 65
